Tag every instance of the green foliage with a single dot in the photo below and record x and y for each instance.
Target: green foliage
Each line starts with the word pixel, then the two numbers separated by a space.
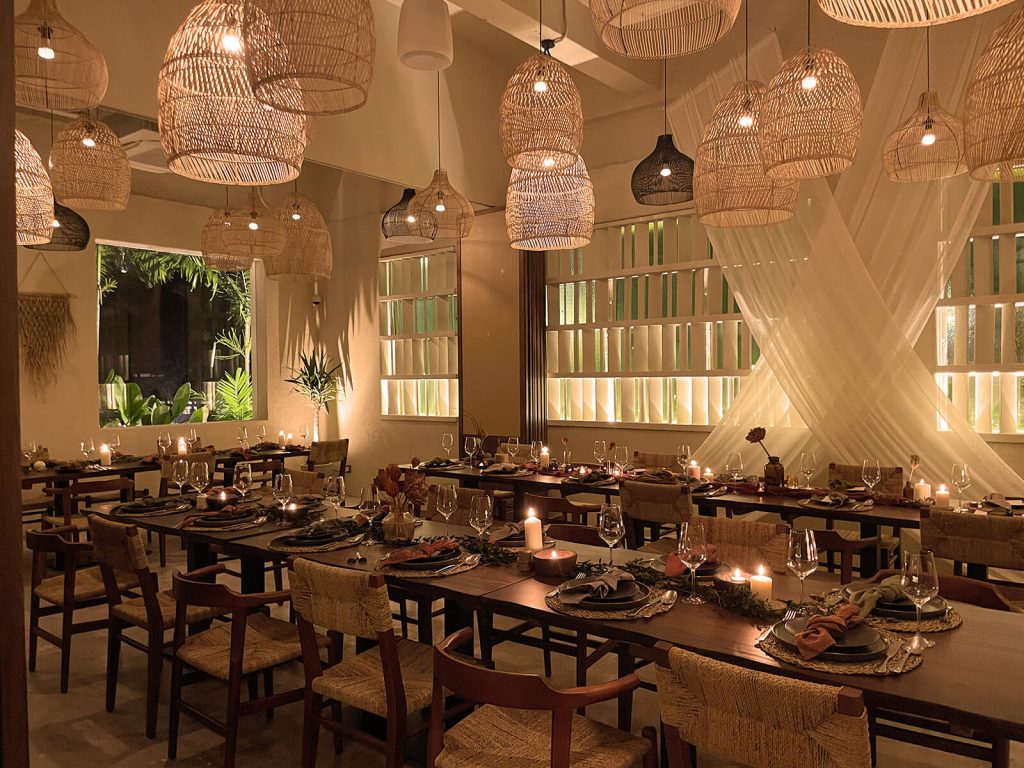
pixel 133 409
pixel 316 379
pixel 234 397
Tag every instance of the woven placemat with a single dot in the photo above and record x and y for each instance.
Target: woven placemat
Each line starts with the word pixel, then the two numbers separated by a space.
pixel 778 650
pixel 256 523
pixel 176 510
pixel 583 613
pixel 399 572
pixel 951 620
pixel 277 546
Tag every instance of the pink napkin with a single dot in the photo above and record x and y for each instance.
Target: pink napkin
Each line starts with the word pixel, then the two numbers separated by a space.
pixel 821 632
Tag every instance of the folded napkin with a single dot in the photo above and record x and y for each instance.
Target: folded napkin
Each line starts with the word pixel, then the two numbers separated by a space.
pixel 675 567
pixel 662 476
pixel 426 549
pixel 998 505
pixel 821 632
pixel 501 467
pixel 437 461
pixel 601 585
pixel 888 590
pixel 507 531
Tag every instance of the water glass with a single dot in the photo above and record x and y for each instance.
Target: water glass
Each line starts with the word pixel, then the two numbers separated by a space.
pixel 242 478
pixel 600 451
pixel 471 445
pixel 536 447
pixel 447 441
pixel 734 465
pixel 481 514
pixel 960 477
pixel 693 551
pixel 683 455
pixel 199 476
pixel 282 493
pixel 447 503
pixel 88 447
pixel 871 473
pixel 808 466
pixel 179 474
pixel 243 438
pixel 802 555
pixel 621 457
pixel 920 583
pixel 611 527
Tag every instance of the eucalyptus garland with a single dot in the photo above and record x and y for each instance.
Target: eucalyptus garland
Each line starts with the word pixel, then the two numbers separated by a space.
pixel 490 554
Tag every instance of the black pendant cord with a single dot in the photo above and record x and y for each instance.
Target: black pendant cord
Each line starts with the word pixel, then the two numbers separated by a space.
pixel 808 23
pixel 439 119
pixel 928 55
pixel 664 81
pixel 546 44
pixel 746 40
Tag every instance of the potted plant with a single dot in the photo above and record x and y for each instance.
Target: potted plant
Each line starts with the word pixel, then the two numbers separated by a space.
pixel 316 379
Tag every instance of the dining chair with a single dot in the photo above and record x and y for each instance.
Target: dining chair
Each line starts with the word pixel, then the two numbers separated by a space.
pixel 306 481
pixel 740 543
pixel 964 590
pixel 522 717
pixel 167 468
pixel 73 589
pixel 121 554
pixel 329 457
pixel 66 499
pixel 891 484
pixel 556 509
pixel 249 646
pixel 650 508
pixel 978 540
pixel 651 460
pixel 264 470
pixel 391 680
pixel 756 718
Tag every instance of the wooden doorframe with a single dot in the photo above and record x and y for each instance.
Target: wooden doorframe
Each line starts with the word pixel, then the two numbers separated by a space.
pixel 533 422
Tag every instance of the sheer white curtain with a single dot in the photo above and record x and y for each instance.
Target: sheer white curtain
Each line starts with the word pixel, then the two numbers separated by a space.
pixel 837 296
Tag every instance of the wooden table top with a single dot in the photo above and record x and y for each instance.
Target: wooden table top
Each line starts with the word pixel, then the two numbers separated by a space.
pixel 51 475
pixel 787 506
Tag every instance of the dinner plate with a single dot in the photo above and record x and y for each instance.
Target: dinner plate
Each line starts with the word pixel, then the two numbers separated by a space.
pixel 614 602
pixel 166 506
pixel 856 639
pixel 704 571
pixel 903 609
pixel 438 560
pixel 874 650
pixel 217 521
pixel 312 539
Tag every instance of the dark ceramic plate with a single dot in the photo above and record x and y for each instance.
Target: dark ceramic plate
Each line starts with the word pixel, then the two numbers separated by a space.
pixel 438 560
pixel 870 652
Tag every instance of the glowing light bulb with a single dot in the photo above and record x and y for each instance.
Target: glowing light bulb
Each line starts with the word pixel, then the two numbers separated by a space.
pixel 231 42
pixel 253 224
pixel 45 52
pixel 666 171
pixel 55 224
pixel 548 162
pixel 540 86
pixel 410 219
pixel 296 216
pixel 440 206
pixel 746 121
pixel 89 142
pixel 809 83
pixel 928 138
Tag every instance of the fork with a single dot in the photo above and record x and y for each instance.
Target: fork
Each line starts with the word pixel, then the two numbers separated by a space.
pixel 787 616
pixel 893 651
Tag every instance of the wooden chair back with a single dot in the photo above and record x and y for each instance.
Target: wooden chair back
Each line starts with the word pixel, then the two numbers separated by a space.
pixel 67 498
pixel 167 466
pixel 304 481
pixel 119 547
pixel 891 483
pixel 577 533
pixel 992 540
pixel 522 454
pixel 652 460
pixel 652 504
pixel 263 470
pixel 748 544
pixel 964 590
pixel 464 497
pixel 329 452
pixel 557 508
pixel 756 718
pixel 63 541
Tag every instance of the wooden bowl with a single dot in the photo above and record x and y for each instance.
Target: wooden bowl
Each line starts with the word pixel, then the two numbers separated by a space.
pixel 555 563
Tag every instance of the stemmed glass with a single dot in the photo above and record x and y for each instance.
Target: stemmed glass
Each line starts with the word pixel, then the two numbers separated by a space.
pixel 600 452
pixel 282 492
pixel 802 555
pixel 304 433
pixel 920 583
pixel 472 445
pixel 88 448
pixel 621 457
pixel 199 476
pixel 115 443
pixel 334 492
pixel 512 446
pixel 961 480
pixel 692 551
pixel 28 450
pixel 242 479
pixel 808 466
pixel 447 503
pixel 611 527
pixel 734 465
pixel 447 441
pixel 192 438
pixel 536 447
pixel 162 444
pixel 179 474
pixel 871 474
pixel 683 455
pixel 481 514
pixel 261 433
pixel 243 438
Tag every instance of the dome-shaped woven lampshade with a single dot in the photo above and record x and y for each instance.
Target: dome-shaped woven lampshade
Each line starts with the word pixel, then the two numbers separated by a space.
pixel 307 256
pixel 929 145
pixel 550 210
pixel 215 253
pixel 89 168
pixel 905 13
pixel 212 127
pixel 397 227
pixel 33 194
pixel 730 187
pixel 661 29
pixel 455 219
pixel 994 113
pixel 425 35
pixel 69 231
pixel 541 116
pixel 324 48
pixel 810 117
pixel 665 176
pixel 55 65
pixel 254 231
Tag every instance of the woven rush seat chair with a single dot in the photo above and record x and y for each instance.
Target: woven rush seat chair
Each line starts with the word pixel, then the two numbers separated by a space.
pixel 523 721
pixel 392 680
pixel 647 508
pixel 556 509
pixel 166 474
pixel 891 484
pixel 651 460
pixel 67 499
pixel 756 718
pixel 304 481
pixel 329 457
pixel 739 543
pixel 980 541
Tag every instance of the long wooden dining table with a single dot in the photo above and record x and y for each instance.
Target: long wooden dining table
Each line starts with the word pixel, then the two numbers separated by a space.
pixel 973 678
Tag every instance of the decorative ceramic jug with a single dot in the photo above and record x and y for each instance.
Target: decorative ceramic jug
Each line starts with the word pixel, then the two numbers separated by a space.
pixel 399 524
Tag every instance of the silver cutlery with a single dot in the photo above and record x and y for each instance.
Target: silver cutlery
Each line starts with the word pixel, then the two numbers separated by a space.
pixel 471 560
pixel 669 599
pixel 891 652
pixel 905 653
pixel 787 616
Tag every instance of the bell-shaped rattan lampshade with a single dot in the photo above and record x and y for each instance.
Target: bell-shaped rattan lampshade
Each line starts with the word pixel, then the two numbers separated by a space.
pixel 400 226
pixel 451 210
pixel 69 232
pixel 929 145
pixel 994 112
pixel 33 194
pixel 550 210
pixel 55 65
pixel 664 177
pixel 905 13
pixel 323 48
pixel 810 117
pixel 730 187
pixel 307 256
pixel 89 168
pixel 255 230
pixel 215 253
pixel 541 116
pixel 662 29
pixel 212 127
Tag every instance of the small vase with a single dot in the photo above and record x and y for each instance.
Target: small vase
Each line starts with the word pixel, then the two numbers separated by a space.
pixel 399 525
pixel 774 472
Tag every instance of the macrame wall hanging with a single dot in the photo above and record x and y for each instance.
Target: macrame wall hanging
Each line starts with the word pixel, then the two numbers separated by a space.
pixel 45 329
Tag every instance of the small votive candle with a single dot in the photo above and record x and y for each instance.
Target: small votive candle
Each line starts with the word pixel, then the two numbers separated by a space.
pixel 545 458
pixel 942 497
pixel 104 455
pixel 693 470
pixel 280 438
pixel 289 439
pixel 922 490
pixel 761 585
pixel 708 475
pixel 182 447
pixel 737 576
pixel 560 563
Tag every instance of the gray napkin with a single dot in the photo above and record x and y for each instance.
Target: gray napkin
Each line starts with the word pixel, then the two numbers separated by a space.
pixel 888 590
pixel 506 531
pixel 601 585
pixel 997 504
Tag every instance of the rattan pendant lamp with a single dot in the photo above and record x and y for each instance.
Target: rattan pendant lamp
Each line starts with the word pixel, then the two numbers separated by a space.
pixel 930 144
pixel 451 210
pixel 307 256
pixel 322 48
pixel 730 187
pixel 550 210
pixel 215 253
pixel 89 168
pixel 662 29
pixel 994 112
pixel 254 231
pixel 400 226
pixel 905 13
pixel 68 231
pixel 664 177
pixel 811 115
pixel 212 126
pixel 55 65
pixel 33 194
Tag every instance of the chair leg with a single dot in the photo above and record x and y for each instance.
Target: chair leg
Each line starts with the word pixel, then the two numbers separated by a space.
pixel 581 664
pixel 1000 753
pixel 231 722
pixel 545 636
pixel 67 620
pixel 162 543
pixel 678 750
pixel 403 616
pixel 336 714
pixel 310 728
pixel 154 668
pixel 394 752
pixel 33 639
pixel 651 734
pixel 252 682
pixel 113 661
pixel 424 621
pixel 268 689
pixel 175 709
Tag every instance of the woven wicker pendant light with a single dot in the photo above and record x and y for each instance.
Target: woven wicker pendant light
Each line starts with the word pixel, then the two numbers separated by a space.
pixel 664 177
pixel 215 253
pixel 254 231
pixel 400 226
pixel 89 168
pixel 33 194
pixel 550 210
pixel 56 67
pixel 307 256
pixel 994 112
pixel 905 13
pixel 68 232
pixel 662 29
pixel 212 127
pixel 451 210
pixel 323 48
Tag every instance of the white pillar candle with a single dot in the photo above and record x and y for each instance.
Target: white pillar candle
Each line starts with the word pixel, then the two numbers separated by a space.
pixel 182 447
pixel 693 470
pixel 280 438
pixel 761 585
pixel 104 455
pixel 545 458
pixel 922 490
pixel 708 475
pixel 289 439
pixel 534 532
pixel 942 497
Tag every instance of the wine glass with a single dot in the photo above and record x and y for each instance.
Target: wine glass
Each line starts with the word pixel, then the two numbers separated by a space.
pixel 470 445
pixel 193 438
pixel 920 583
pixel 961 480
pixel 162 444
pixel 621 457
pixel 871 474
pixel 199 476
pixel 692 551
pixel 734 465
pixel 447 441
pixel 512 446
pixel 611 527
pixel 536 446
pixel 179 474
pixel 481 514
pixel 334 492
pixel 88 448
pixel 261 433
pixel 304 433
pixel 600 451
pixel 243 438
pixel 283 492
pixel 447 503
pixel 115 443
pixel 683 455
pixel 808 466
pixel 802 555
pixel 28 450
pixel 242 478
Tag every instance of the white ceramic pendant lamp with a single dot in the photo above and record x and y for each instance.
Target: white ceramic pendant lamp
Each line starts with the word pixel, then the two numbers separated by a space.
pixel 425 35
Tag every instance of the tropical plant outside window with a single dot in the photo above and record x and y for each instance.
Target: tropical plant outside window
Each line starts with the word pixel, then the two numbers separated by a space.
pixel 175 339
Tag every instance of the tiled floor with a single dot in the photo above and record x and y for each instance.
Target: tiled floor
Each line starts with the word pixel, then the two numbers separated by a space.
pixel 74 730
